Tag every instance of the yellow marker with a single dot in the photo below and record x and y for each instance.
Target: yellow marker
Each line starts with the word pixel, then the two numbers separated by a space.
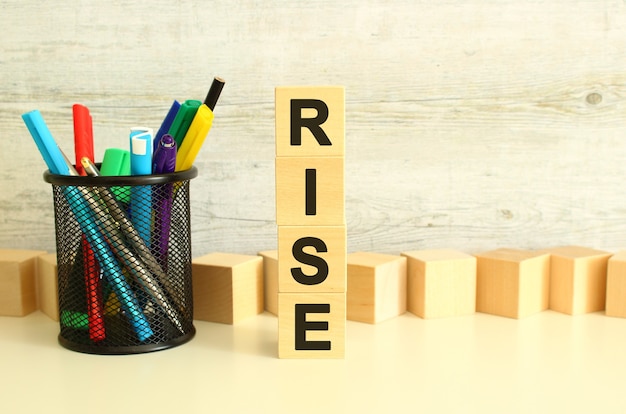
pixel 112 305
pixel 197 132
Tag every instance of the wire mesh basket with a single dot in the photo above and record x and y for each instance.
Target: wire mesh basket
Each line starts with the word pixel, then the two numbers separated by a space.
pixel 124 262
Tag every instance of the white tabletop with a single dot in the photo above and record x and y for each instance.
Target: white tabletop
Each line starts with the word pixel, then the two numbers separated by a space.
pixel 548 362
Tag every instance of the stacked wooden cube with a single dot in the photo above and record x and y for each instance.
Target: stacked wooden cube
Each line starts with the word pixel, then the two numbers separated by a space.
pixel 310 214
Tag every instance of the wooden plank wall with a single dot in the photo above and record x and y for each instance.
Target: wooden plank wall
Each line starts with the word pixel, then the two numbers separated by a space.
pixel 469 124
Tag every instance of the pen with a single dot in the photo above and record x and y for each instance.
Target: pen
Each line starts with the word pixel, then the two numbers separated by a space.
pixel 83 147
pixel 183 120
pixel 166 124
pixel 57 165
pixel 214 93
pixel 164 158
pixel 131 234
pixel 163 162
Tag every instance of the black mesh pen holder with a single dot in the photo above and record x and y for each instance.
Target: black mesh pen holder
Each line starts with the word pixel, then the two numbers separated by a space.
pixel 123 262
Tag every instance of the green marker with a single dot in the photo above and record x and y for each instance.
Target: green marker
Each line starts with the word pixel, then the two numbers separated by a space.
pixel 116 162
pixel 72 319
pixel 183 120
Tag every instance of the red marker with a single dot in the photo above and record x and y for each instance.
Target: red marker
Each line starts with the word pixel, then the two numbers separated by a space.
pixel 83 147
pixel 83 136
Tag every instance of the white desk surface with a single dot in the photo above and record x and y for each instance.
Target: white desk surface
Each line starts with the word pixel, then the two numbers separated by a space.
pixel 548 362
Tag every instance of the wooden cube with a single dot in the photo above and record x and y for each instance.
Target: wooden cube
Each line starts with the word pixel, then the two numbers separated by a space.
pixel 311 325
pixel 512 283
pixel 616 285
pixel 227 288
pixel 310 191
pixel 376 288
pixel 270 280
pixel 578 279
pixel 18 294
pixel 441 283
pixel 319 251
pixel 307 114
pixel 47 293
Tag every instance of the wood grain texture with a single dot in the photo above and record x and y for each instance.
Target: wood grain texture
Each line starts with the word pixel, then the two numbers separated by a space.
pixel 615 285
pixel 440 283
pixel 513 283
pixel 578 279
pixel 469 125
pixel 227 287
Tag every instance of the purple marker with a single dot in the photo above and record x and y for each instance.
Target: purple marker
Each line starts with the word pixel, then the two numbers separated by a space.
pixel 163 162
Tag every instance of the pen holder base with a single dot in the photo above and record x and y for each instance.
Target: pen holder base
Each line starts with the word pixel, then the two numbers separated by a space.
pixel 124 262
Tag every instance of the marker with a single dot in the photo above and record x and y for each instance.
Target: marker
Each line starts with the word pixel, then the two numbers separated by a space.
pixel 76 320
pixel 83 135
pixel 141 164
pixel 116 162
pixel 183 120
pixel 194 138
pixel 140 151
pixel 166 124
pixel 45 143
pixel 83 147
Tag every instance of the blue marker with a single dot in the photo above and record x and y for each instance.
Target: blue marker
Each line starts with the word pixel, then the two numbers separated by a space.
pixel 167 123
pixel 45 143
pixel 140 197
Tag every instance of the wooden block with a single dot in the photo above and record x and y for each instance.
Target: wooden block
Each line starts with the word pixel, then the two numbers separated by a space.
pixel 512 283
pixel 18 294
pixel 578 279
pixel 270 280
pixel 310 191
pixel 376 286
pixel 441 283
pixel 311 259
pixel 616 285
pixel 227 288
pixel 310 121
pixel 47 293
pixel 311 325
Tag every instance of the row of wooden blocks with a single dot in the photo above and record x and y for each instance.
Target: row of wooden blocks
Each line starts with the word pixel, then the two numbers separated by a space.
pixel 506 282
pixel 228 288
